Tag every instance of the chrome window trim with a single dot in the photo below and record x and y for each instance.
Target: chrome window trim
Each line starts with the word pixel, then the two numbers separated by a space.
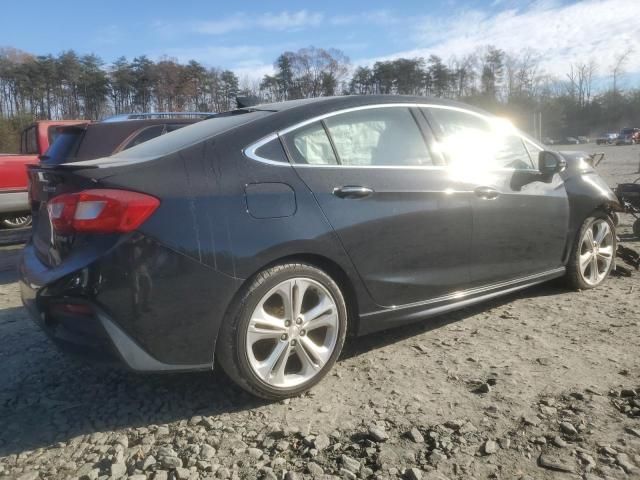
pixel 250 151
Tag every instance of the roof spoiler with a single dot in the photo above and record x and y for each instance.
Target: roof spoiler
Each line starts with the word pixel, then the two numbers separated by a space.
pixel 247 101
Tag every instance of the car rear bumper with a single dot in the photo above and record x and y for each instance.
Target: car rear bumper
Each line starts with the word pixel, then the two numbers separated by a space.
pixel 14 202
pixel 82 324
pixel 91 333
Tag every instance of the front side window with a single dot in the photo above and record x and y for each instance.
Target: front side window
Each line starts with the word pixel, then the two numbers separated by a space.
pixel 378 137
pixel 310 145
pixel 473 142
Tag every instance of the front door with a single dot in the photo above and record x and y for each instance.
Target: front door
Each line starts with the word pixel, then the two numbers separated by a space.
pixel 519 224
pixel 404 224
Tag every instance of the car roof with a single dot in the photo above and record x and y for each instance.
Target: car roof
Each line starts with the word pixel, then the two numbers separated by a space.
pixel 348 101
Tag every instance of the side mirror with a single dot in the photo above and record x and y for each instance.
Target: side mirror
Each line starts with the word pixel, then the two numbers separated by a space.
pixel 550 163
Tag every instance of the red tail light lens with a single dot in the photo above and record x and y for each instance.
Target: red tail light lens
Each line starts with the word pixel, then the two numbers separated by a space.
pixel 100 211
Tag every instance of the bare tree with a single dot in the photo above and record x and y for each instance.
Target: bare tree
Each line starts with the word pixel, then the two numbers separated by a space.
pixel 617 69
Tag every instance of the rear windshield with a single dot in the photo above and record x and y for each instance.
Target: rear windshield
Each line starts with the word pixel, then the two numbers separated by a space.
pixel 177 140
pixel 63 147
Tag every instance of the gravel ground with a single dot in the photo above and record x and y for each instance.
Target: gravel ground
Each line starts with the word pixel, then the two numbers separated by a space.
pixel 544 383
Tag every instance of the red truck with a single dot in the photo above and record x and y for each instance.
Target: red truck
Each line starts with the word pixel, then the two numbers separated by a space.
pixel 35 139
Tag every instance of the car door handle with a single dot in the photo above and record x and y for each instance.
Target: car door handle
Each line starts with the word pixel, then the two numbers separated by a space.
pixel 352 191
pixel 486 193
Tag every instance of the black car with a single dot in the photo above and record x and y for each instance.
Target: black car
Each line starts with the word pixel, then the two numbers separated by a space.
pixel 260 238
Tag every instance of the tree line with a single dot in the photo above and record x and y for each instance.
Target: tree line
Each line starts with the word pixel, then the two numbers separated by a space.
pixel 69 85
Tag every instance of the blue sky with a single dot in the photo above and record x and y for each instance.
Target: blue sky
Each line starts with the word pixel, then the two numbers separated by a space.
pixel 248 36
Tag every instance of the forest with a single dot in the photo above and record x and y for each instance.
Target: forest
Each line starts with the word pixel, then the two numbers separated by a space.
pixel 588 99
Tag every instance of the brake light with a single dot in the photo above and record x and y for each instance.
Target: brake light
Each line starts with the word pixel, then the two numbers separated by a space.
pixel 100 211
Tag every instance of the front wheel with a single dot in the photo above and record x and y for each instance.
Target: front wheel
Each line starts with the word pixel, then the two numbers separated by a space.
pixel 285 332
pixel 593 253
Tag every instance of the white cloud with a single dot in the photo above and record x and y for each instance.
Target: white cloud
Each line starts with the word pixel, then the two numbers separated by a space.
pixel 108 35
pixel 375 17
pixel 219 27
pixel 561 34
pixel 281 21
pixel 289 21
pixel 215 55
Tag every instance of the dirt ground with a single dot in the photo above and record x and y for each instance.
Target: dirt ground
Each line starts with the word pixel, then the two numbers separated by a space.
pixel 542 384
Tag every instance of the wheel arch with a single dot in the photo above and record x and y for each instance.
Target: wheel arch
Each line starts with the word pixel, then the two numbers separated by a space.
pixel 607 207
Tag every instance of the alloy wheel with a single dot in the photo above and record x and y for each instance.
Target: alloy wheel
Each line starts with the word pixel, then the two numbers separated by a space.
pixel 17 222
pixel 596 252
pixel 292 332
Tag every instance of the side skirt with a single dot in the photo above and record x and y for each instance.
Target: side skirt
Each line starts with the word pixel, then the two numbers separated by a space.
pixel 401 315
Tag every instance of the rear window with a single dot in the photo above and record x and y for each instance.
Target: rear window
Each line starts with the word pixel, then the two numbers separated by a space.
pixel 64 146
pixel 184 137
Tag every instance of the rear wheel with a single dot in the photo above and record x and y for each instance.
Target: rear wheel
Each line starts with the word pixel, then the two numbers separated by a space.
pixel 285 333
pixel 18 221
pixel 593 253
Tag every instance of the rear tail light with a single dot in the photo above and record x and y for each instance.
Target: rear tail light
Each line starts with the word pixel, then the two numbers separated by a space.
pixel 100 211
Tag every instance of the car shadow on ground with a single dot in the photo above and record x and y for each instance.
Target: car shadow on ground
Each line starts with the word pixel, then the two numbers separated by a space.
pixel 46 397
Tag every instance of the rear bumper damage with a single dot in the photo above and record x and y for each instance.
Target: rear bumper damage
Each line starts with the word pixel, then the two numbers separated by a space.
pixel 94 311
pixel 82 329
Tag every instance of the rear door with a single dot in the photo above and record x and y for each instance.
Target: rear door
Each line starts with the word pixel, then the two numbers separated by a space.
pixel 403 222
pixel 519 223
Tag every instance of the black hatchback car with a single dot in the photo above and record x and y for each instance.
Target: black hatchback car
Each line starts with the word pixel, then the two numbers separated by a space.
pixel 260 238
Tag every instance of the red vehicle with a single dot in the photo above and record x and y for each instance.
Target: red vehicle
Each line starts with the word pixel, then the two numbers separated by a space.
pixel 35 140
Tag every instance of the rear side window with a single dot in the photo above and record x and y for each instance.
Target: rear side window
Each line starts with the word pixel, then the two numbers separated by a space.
pixel 310 145
pixel 272 151
pixel 472 142
pixel 64 146
pixel 378 137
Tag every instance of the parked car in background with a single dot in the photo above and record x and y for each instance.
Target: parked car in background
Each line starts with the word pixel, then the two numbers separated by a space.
pixel 258 238
pixel 607 139
pixel 572 140
pixel 34 140
pixel 583 139
pixel 72 141
pixel 628 136
pixel 101 139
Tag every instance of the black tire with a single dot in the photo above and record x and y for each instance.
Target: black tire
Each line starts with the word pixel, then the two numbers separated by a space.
pixel 574 276
pixel 231 349
pixel 636 227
